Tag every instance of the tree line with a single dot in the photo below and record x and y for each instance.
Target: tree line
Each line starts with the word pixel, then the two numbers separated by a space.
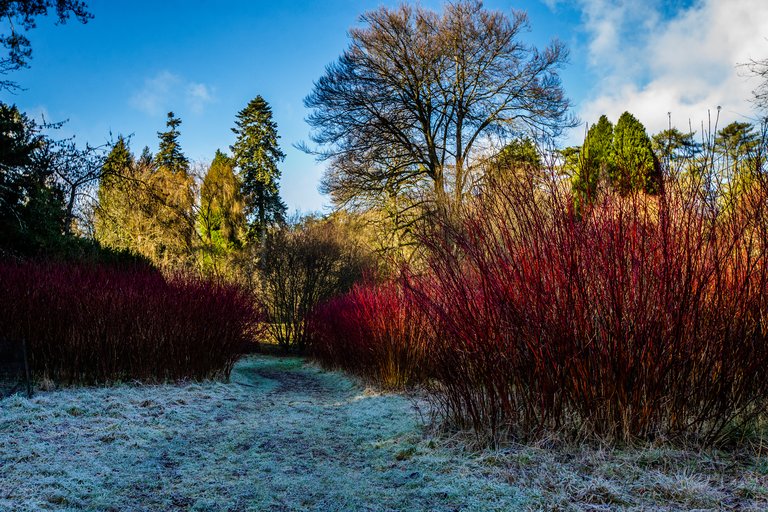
pixel 155 206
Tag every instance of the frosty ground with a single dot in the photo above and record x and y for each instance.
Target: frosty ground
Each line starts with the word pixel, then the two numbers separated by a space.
pixel 285 435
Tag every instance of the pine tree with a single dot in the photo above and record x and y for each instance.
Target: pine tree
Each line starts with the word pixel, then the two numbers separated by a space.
pixel 256 153
pixel 635 167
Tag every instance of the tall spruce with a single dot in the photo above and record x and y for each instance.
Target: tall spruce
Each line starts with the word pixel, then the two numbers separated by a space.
pixel 169 154
pixel 256 153
pixel 173 189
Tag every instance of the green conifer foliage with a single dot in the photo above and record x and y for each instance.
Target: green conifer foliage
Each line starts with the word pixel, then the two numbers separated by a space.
pixel 111 221
pixel 256 154
pixel 169 154
pixel 221 219
pixel 634 164
pixel 595 161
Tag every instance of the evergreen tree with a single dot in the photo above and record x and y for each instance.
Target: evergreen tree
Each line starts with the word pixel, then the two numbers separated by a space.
pixel 673 145
pixel 256 153
pixel 146 159
pixel 635 167
pixel 172 187
pixel 736 142
pixel 32 213
pixel 738 146
pixel 111 221
pixel 169 154
pixel 595 161
pixel 221 219
pixel 519 153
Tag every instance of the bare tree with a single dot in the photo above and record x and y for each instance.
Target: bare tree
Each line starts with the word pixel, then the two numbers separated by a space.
pixel 759 68
pixel 408 103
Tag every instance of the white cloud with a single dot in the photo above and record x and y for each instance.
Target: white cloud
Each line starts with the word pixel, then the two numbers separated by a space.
pixel 198 95
pixel 162 92
pixel 552 4
pixel 685 64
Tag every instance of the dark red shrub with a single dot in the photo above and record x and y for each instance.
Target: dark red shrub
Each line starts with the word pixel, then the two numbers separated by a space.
pixel 374 331
pixel 96 324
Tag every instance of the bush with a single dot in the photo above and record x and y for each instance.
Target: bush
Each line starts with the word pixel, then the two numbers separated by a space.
pixel 302 266
pixel 640 317
pixel 91 323
pixel 376 332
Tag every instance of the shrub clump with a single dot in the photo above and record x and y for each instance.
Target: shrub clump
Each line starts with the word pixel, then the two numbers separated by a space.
pixel 376 332
pixel 87 324
pixel 636 317
pixel 640 317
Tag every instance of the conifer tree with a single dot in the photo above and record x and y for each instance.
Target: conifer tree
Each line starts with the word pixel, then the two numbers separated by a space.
pixel 172 188
pixel 595 160
pixel 738 146
pixel 634 165
pixel 114 206
pixel 221 219
pixel 169 154
pixel 256 154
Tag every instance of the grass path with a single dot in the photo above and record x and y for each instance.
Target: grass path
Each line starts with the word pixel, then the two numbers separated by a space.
pixel 283 435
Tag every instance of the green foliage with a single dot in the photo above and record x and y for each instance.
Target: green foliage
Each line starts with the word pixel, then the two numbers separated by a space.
pixel 520 153
pixel 634 164
pixel 736 142
pixel 738 146
pixel 32 213
pixel 256 154
pixel 146 205
pixel 672 144
pixel 221 218
pixel 594 161
pixel 118 218
pixel 169 154
pixel 21 16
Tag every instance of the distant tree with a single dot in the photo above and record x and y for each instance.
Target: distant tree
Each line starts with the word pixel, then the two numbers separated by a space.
pixel 519 152
pixel 738 145
pixel 77 170
pixel 173 190
pixel 634 166
pixel 674 145
pixel 302 266
pixel 256 154
pixel 595 161
pixel 736 142
pixel 221 217
pixel 146 205
pixel 118 199
pixel 21 16
pixel 417 92
pixel 169 154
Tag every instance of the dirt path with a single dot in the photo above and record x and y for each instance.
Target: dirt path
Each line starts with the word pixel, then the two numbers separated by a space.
pixel 280 436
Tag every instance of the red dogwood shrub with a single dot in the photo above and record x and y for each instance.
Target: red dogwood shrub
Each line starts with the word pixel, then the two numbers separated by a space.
pixel 95 323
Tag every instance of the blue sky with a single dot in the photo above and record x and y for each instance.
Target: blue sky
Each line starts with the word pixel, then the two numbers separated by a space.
pixel 137 60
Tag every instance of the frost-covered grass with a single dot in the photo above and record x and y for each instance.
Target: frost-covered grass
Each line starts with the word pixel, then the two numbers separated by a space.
pixel 284 435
